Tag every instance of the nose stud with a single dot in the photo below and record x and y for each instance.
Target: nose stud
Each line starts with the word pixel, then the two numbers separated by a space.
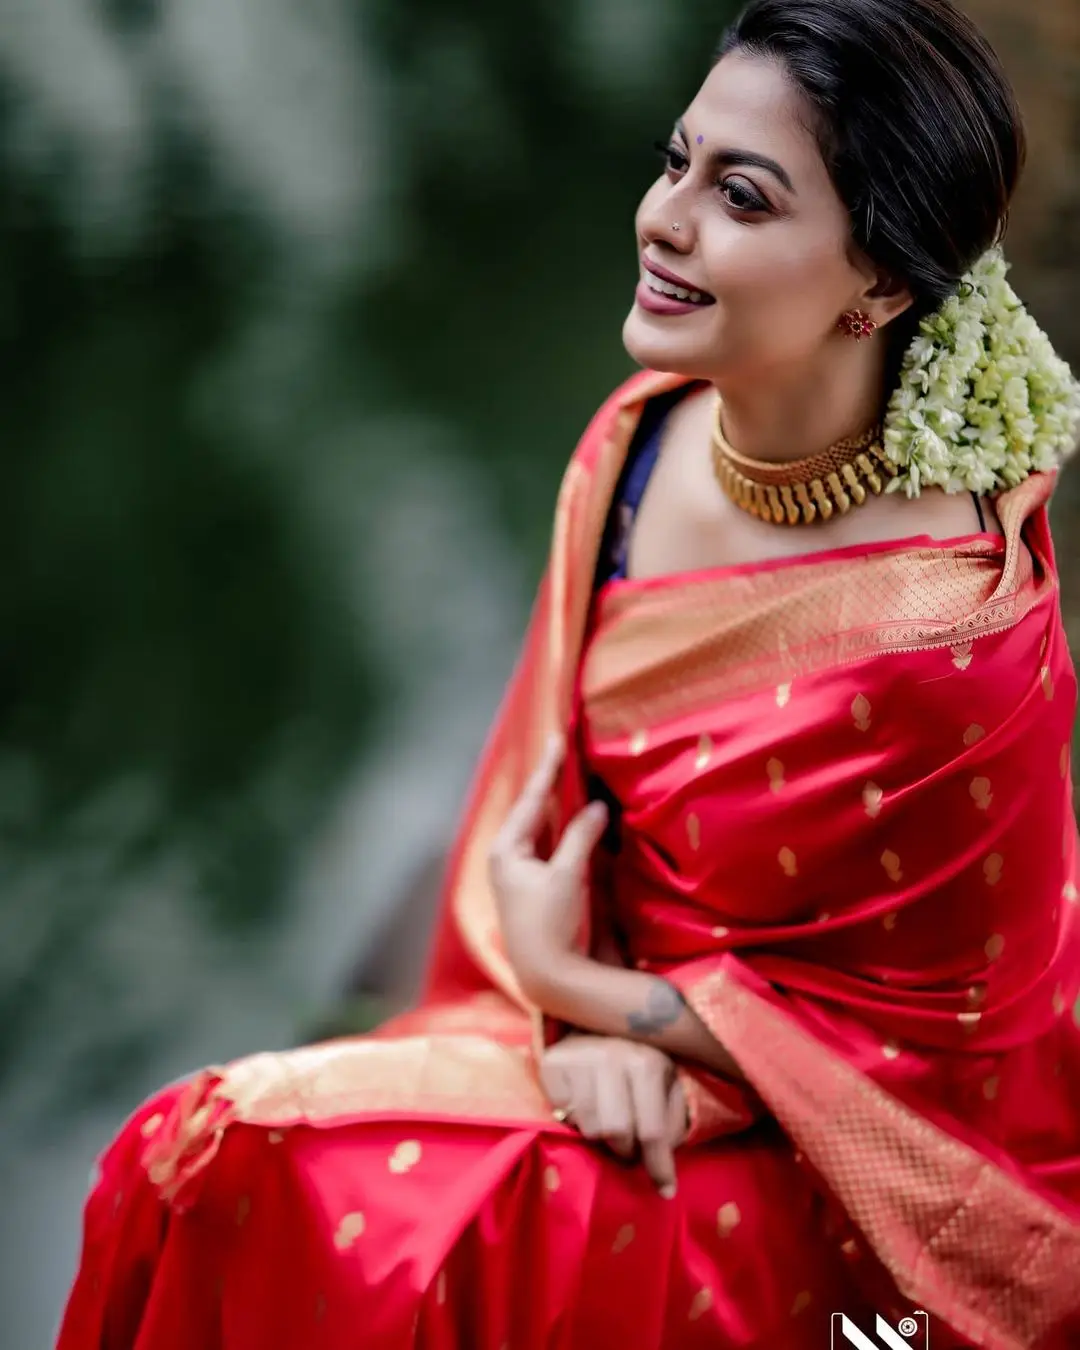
pixel 676 227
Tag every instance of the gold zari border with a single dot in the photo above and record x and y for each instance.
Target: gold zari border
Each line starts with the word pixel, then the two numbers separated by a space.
pixel 958 1234
pixel 468 1077
pixel 664 650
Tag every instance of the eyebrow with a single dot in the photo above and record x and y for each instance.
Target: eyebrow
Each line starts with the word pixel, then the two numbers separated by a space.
pixel 747 158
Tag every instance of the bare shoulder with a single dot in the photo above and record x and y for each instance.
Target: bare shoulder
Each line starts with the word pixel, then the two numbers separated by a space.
pixel 937 514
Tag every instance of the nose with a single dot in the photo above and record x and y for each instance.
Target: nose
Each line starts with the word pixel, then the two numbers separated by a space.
pixel 667 219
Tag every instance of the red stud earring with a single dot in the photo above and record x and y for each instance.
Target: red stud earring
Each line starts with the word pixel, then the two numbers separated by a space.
pixel 855 323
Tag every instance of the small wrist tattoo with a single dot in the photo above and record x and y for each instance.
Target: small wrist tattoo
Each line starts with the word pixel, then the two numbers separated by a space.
pixel 663 1006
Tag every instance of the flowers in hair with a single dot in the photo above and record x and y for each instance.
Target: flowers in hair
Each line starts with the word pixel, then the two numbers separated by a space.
pixel 983 399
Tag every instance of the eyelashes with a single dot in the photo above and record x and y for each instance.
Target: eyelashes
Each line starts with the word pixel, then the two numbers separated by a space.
pixel 739 193
pixel 672 156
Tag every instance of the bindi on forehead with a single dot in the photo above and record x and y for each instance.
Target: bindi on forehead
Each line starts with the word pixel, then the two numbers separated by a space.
pixel 751 102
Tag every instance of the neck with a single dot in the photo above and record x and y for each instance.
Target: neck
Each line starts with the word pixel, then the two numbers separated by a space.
pixel 792 415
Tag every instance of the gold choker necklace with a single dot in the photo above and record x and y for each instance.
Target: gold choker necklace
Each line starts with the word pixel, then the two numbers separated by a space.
pixel 802 490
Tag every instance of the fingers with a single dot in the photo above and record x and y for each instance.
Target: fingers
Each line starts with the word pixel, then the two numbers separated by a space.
pixel 652 1116
pixel 526 817
pixel 615 1113
pixel 650 1101
pixel 556 1084
pixel 678 1114
pixel 659 1160
pixel 580 838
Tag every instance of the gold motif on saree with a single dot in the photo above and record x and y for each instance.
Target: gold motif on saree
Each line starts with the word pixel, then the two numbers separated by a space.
pixel 860 712
pixel 728 1218
pixel 775 771
pixel 552 1180
pixel 701 1303
pixel 693 831
pixel 639 743
pixel 973 735
pixel 783 695
pixel 891 863
pixel 981 794
pixel 349 1230
pixel 704 753
pixel 872 797
pixel 961 655
pixel 1046 679
pixel 990 1087
pixel 803 1300
pixel 405 1157
pixel 993 868
pixel 891 1049
pixel 623 1239
pixel 995 945
pixel 789 864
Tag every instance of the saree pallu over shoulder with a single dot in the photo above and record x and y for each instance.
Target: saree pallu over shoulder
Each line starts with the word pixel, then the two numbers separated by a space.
pixel 664 646
pixel 539 701
pixel 847 836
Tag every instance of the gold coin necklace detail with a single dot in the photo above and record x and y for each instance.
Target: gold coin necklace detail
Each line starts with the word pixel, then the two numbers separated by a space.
pixel 803 490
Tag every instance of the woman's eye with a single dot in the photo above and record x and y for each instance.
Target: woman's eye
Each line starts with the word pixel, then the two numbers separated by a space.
pixel 742 196
pixel 675 161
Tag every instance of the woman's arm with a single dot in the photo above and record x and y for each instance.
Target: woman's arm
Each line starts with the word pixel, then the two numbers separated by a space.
pixel 616 1002
pixel 542 909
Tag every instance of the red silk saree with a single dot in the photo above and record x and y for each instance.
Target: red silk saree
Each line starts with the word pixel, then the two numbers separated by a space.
pixel 847 835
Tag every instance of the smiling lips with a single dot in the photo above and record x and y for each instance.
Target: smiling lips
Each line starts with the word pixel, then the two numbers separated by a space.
pixel 663 292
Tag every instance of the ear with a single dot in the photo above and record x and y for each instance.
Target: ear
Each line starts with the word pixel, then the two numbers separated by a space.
pixel 886 297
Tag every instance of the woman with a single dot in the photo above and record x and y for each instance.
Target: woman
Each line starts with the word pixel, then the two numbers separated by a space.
pixel 800 853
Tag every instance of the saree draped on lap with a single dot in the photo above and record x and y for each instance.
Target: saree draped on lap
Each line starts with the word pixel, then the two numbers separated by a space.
pixel 846 834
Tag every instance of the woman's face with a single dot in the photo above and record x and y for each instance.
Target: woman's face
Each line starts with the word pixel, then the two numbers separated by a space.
pixel 745 216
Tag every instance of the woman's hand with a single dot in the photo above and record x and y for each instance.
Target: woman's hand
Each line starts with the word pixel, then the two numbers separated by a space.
pixel 541 905
pixel 624 1093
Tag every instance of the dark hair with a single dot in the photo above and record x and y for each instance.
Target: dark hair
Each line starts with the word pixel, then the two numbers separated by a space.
pixel 916 120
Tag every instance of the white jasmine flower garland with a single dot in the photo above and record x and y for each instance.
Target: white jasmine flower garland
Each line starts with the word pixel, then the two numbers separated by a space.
pixel 983 400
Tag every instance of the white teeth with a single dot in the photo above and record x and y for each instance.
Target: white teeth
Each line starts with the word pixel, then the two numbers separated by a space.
pixel 661 287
